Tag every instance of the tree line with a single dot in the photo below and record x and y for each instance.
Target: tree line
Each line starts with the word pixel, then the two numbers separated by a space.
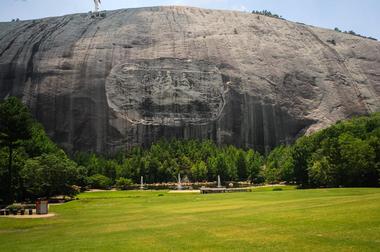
pixel 32 166
pixel 346 154
pixel 267 13
pixel 351 32
pixel 273 15
pixel 196 160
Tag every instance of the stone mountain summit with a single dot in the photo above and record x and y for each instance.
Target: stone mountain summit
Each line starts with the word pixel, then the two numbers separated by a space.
pixel 133 76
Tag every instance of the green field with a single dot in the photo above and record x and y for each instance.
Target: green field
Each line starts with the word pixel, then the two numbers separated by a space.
pixel 262 220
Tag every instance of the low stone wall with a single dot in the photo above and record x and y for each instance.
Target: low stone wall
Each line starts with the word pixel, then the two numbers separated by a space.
pixel 223 190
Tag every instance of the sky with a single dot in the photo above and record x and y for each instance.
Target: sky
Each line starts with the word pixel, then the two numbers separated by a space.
pixel 361 16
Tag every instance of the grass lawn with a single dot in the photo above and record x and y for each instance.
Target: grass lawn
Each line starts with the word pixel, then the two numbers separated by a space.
pixel 262 220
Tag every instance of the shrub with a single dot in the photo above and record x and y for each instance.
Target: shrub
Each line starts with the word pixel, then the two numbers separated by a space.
pixel 99 181
pixel 15 207
pixel 123 183
pixel 331 41
pixel 277 189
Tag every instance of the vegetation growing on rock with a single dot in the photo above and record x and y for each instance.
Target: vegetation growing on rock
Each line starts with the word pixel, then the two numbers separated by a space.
pixel 351 32
pixel 267 13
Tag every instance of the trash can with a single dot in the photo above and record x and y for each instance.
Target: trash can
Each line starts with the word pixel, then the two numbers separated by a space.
pixel 42 207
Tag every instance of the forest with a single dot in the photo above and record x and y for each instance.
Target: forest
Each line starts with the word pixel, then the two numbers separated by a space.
pixel 32 166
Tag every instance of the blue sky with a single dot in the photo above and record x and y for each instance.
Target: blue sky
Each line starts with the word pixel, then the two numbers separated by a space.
pixel 362 16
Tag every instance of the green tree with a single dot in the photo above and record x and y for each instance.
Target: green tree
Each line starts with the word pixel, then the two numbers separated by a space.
pixel 345 154
pixel 15 126
pixel 358 161
pixel 125 169
pixel 271 175
pixel 185 164
pixel 199 171
pixel 110 168
pixel 280 165
pixel 301 154
pixel 221 166
pixel 39 143
pixel 93 165
pixel 321 173
pixel 241 165
pixel 152 166
pixel 254 164
pixel 49 175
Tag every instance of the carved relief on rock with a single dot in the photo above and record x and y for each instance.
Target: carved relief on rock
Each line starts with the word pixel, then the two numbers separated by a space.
pixel 166 91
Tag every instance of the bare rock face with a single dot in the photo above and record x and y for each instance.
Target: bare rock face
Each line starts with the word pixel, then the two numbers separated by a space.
pixel 137 75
